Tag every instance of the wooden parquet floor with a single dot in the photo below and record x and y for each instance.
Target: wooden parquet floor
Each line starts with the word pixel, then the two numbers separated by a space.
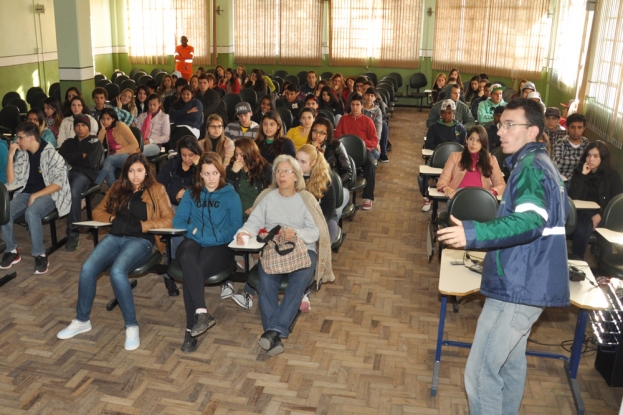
pixel 367 347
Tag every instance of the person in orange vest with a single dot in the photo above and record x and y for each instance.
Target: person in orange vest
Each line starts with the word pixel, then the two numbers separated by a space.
pixel 184 54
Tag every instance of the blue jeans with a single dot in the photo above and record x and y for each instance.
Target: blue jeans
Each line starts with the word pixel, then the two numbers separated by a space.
pixel 150 150
pixel 583 232
pixel 384 138
pixel 275 316
pixel 112 163
pixel 33 215
pixel 78 183
pixel 122 254
pixel 495 373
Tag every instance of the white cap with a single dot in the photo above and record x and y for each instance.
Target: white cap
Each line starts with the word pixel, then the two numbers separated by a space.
pixel 446 103
pixel 176 73
pixel 533 94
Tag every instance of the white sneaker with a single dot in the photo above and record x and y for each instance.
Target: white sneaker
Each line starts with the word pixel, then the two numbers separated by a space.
pixel 305 306
pixel 227 290
pixel 76 327
pixel 426 206
pixel 244 300
pixel 132 339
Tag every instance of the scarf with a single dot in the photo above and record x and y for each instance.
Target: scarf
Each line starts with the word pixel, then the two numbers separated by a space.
pixel 147 125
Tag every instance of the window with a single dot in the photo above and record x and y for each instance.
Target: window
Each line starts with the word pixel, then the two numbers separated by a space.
pixel 570 33
pixel 155 26
pixel 604 100
pixel 291 30
pixel 500 37
pixel 385 30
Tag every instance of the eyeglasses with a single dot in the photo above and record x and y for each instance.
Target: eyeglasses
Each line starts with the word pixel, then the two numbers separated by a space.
pixel 284 171
pixel 509 125
pixel 216 127
pixel 320 133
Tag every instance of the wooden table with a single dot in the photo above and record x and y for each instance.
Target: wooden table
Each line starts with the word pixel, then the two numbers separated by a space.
pixel 430 171
pixel 585 204
pixel 457 280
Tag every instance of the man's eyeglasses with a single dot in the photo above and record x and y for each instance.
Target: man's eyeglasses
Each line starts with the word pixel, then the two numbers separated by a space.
pixel 509 125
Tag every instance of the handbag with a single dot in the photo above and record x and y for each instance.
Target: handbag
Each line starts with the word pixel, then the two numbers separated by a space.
pixel 280 256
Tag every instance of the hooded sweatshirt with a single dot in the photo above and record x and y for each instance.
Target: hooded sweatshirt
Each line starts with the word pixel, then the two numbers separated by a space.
pixel 441 132
pixel 213 220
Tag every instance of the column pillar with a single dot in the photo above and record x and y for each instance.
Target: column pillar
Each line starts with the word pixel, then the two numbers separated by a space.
pixel 74 45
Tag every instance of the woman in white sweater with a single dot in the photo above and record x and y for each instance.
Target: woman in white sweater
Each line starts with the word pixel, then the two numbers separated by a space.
pixel 66 129
pixel 154 125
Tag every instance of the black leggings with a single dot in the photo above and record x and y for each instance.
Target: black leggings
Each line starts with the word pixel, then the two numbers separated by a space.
pixel 198 264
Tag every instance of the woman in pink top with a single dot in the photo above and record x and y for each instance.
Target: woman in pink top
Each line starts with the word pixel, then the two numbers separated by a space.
pixel 473 167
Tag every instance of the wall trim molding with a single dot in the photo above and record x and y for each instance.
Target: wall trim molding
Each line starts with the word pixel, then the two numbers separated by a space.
pixel 25 59
pixel 76 74
pixel 106 50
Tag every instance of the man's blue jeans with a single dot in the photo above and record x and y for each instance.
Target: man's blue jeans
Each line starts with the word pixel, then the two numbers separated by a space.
pixel 78 183
pixel 495 373
pixel 122 254
pixel 275 316
pixel 33 215
pixel 112 163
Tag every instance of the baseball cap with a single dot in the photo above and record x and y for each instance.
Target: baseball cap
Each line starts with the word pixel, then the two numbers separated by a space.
pixel 176 73
pixel 243 108
pixel 533 94
pixel 446 103
pixel 552 112
pixel 529 85
pixel 82 118
pixel 496 87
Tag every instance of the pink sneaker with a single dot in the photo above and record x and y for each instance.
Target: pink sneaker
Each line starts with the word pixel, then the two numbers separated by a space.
pixel 305 306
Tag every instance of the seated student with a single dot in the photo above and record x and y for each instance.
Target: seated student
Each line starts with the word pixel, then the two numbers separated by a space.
pixel 257 83
pixel 210 99
pixel 67 130
pixel 492 129
pixel 175 75
pixel 518 93
pixel 310 86
pixel 536 97
pixel 287 204
pixel 185 115
pixel 155 126
pixel 372 110
pixel 568 150
pixel 4 159
pixel 83 153
pixel 168 102
pixel 152 86
pixel 290 100
pixel 200 71
pixel 454 74
pixel 216 141
pixel 486 94
pixel 338 86
pixel 204 250
pixel 447 129
pixel 140 102
pixel 250 174
pixel 166 88
pixel 120 142
pixel 473 90
pixel 527 88
pixel 194 83
pixel 230 83
pixel 53 115
pixel 100 95
pixel 133 205
pixel 269 83
pixel 36 117
pixel 311 102
pixel 486 108
pixel 299 134
pixel 241 74
pixel 267 103
pixel 69 94
pixel 126 102
pixel 270 139
pixel 244 127
pixel 473 167
pixel 358 124
pixel 552 125
pixel 438 85
pixel 462 115
pixel 329 101
pixel 34 165
pixel 593 179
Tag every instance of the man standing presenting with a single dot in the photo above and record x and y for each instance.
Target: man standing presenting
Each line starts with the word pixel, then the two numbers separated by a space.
pixel 525 268
pixel 184 54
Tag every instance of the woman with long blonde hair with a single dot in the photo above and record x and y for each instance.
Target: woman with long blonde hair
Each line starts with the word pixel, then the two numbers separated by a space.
pixel 216 141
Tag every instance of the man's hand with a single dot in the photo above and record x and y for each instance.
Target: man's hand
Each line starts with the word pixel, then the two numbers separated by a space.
pixel 32 198
pixel 454 236
pixel 12 149
pixel 596 219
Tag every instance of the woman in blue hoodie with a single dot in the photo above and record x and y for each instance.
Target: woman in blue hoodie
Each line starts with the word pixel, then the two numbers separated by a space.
pixel 211 212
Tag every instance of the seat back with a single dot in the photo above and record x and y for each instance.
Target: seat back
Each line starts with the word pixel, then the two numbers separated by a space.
pixel 10 118
pixel 138 75
pixel 338 189
pixel 572 218
pixel 353 177
pixel 355 148
pixel 4 205
pixel 102 83
pixel 281 74
pixel 387 88
pixel 230 101
pixel 98 77
pixel 32 92
pixel 113 90
pixel 418 80
pixel 120 78
pixel 9 96
pixel 128 84
pixel 293 79
pixel 56 86
pixel 397 77
pixel 392 81
pixel 138 136
pixel 19 103
pixel 35 98
pixel 249 95
pixel 500 156
pixel 134 71
pixel 372 76
pixel 507 94
pixel 286 117
pixel 155 72
pixel 158 77
pixel 326 75
pixel 613 214
pixel 142 80
pixel 328 115
pixel 442 153
pixel 473 203
pixel 115 75
pixel 278 81
pixel 302 77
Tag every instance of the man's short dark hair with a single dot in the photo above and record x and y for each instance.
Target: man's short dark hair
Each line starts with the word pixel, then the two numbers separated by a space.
pixel 180 82
pixel 29 129
pixel 455 86
pixel 533 111
pixel 356 97
pixel 310 72
pixel 369 83
pixel 484 76
pixel 292 87
pixel 576 117
pixel 152 84
pixel 360 80
pixel 99 91
pixel 488 85
pixel 370 91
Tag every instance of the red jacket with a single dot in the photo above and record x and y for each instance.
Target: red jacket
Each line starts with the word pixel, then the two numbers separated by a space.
pixel 361 126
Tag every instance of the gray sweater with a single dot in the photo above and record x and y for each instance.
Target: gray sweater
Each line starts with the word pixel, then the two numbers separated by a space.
pixel 291 211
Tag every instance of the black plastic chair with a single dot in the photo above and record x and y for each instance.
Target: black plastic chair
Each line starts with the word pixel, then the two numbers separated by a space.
pixel 143 79
pixel 248 95
pixel 507 94
pixel 56 86
pixel 103 83
pixel 155 72
pixel 392 81
pixel 115 75
pixel 281 74
pixel 326 75
pixel 278 81
pixel 293 79
pixel 372 76
pixel 4 219
pixel 175 271
pixel 328 115
pixel 9 96
pixel 417 81
pixel 286 117
pixel 128 84
pixel 612 264
pixel 119 79
pixel 19 103
pixel 302 76
pixel 35 98
pixel 230 101
pixel 356 149
pixel 134 71
pixel 138 75
pixel 572 219
pixel 500 156
pixel 442 153
pixel 10 118
pixel 32 92
pixel 98 77
pixel 113 90
pixel 159 77
pixel 336 185
pixel 397 77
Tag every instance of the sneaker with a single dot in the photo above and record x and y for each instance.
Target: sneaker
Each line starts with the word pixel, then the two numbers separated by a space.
pixel 305 306
pixel 76 327
pixel 383 158
pixel 367 204
pixel 132 339
pixel 41 264
pixel 244 300
pixel 72 243
pixel 190 343
pixel 10 258
pixel 426 206
pixel 227 290
pixel 203 322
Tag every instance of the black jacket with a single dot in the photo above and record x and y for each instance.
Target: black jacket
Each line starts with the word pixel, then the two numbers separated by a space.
pixel 172 181
pixel 83 155
pixel 335 154
pixel 234 178
pixel 212 104
pixel 609 186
